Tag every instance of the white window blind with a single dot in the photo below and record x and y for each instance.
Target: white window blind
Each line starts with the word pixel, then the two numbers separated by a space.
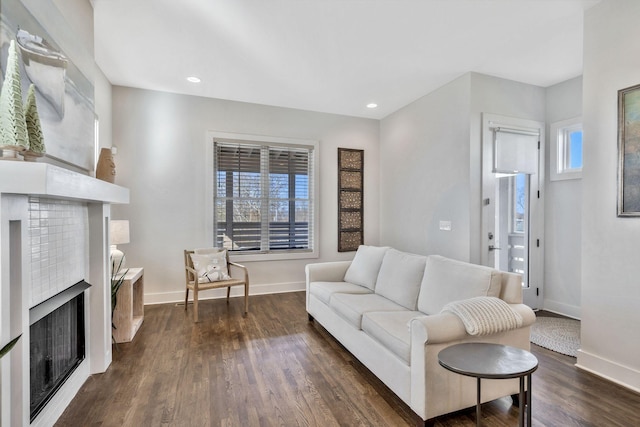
pixel 515 151
pixel 263 199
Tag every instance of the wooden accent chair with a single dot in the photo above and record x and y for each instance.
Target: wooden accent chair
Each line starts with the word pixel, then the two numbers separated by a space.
pixel 196 284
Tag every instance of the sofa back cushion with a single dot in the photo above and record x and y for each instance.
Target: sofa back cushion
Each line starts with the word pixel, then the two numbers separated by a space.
pixel 446 280
pixel 400 277
pixel 365 266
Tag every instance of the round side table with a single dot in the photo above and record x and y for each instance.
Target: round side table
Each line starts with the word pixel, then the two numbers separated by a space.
pixel 492 361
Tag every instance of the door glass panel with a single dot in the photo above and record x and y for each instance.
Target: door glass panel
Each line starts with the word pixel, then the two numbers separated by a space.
pixel 512 225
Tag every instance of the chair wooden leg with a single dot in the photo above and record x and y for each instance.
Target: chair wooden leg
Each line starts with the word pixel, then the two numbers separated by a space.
pixel 195 305
pixel 186 299
pixel 228 293
pixel 246 298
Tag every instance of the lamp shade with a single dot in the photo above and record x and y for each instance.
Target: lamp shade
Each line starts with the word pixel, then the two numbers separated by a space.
pixel 119 234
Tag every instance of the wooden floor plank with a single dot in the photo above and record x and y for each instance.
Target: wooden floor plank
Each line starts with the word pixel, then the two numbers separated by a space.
pixel 274 368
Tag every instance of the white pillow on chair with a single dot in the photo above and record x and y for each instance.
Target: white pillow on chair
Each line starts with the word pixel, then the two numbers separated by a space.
pixel 211 267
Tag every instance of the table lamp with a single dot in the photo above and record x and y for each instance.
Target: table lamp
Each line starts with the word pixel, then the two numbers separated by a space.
pixel 119 235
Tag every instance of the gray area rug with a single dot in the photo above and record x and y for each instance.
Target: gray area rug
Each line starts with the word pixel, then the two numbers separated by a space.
pixel 558 334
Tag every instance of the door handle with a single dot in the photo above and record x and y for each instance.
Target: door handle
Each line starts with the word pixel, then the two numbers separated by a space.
pixel 493 248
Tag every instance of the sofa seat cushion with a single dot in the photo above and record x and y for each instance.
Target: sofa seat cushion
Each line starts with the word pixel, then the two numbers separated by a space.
pixel 324 290
pixel 365 266
pixel 446 280
pixel 390 328
pixel 400 277
pixel 351 307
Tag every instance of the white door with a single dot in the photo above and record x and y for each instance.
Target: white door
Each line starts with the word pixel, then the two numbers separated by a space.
pixel 512 200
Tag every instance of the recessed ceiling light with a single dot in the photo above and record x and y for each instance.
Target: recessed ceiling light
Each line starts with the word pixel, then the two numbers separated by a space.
pixel 372 105
pixel 193 79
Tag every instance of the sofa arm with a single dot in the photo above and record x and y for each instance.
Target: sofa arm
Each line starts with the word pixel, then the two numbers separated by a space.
pixel 326 271
pixel 528 316
pixel 438 328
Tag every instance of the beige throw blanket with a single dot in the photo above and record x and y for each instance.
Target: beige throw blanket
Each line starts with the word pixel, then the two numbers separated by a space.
pixel 485 315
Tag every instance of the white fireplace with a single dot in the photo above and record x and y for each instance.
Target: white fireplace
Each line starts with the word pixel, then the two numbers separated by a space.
pixel 54 231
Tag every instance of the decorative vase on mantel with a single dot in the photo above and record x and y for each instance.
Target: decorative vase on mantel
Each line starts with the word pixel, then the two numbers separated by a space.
pixel 13 127
pixel 34 129
pixel 106 169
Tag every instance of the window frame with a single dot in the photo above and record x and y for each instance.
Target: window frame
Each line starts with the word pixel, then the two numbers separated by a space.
pixel 558 169
pixel 313 251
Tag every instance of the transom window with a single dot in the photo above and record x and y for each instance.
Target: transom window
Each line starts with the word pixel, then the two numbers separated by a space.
pixel 263 197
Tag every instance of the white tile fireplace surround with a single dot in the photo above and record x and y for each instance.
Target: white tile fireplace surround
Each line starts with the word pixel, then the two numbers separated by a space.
pixel 54 228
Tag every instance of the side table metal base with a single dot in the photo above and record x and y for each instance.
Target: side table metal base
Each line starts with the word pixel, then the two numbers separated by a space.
pixel 524 396
pixel 478 404
pixel 493 361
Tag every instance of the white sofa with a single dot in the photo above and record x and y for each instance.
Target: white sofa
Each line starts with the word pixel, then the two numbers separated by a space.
pixel 386 308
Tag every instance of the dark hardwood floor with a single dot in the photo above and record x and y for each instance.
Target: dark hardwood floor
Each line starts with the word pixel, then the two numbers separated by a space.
pixel 274 368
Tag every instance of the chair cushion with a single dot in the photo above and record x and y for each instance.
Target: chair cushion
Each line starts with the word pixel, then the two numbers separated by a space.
pixel 211 267
pixel 324 290
pixel 390 329
pixel 351 307
pixel 400 277
pixel 365 266
pixel 446 280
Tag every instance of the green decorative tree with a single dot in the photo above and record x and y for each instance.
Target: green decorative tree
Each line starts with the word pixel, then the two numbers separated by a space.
pixel 34 129
pixel 13 127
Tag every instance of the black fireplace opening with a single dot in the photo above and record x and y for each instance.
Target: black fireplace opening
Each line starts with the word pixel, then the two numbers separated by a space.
pixel 57 341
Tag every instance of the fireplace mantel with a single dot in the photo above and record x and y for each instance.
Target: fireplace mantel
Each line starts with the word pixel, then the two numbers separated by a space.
pixel 42 179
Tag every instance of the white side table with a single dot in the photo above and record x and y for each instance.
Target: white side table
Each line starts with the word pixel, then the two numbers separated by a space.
pixel 129 312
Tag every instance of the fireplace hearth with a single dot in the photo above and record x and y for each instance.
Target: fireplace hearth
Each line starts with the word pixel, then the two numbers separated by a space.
pixel 57 343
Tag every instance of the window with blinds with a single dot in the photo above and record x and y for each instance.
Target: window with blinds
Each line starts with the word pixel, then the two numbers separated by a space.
pixel 263 201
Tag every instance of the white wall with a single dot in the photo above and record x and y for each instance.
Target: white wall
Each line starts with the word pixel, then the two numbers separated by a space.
pixel 431 163
pixel 610 336
pixel 424 173
pixel 563 213
pixel 161 140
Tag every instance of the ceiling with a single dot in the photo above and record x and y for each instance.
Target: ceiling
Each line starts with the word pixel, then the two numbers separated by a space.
pixel 334 56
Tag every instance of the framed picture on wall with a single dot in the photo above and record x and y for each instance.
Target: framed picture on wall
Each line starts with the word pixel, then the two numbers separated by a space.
pixel 64 95
pixel 629 151
pixel 350 199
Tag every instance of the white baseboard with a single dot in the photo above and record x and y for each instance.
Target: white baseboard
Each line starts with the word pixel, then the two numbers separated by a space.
pixel 562 308
pixel 236 291
pixel 619 374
